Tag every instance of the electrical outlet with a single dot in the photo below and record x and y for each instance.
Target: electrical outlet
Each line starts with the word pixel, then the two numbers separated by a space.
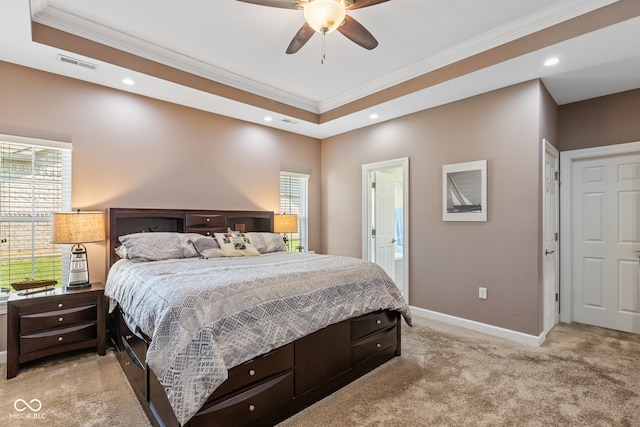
pixel 482 293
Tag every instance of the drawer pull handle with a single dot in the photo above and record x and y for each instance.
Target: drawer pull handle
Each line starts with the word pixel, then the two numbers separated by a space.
pixel 60 305
pixel 208 233
pixel 128 337
pixel 252 372
pixel 252 408
pixel 379 322
pixel 59 339
pixel 378 345
pixel 208 219
pixel 127 363
pixel 60 319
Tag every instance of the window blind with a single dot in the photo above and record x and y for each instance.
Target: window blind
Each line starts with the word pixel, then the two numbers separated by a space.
pixel 294 200
pixel 35 180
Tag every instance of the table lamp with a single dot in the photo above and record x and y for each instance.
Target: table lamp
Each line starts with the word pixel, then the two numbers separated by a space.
pixel 77 228
pixel 285 223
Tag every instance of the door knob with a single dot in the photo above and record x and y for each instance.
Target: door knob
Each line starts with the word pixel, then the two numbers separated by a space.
pixel 548 252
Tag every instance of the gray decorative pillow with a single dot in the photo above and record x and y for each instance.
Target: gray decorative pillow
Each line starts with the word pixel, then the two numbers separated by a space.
pixel 267 242
pixel 155 246
pixel 208 247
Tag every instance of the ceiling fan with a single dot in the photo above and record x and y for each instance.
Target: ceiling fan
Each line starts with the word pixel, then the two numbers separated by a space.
pixel 325 16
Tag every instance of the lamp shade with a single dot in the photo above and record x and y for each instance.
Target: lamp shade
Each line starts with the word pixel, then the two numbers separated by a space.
pixel 77 227
pixel 285 223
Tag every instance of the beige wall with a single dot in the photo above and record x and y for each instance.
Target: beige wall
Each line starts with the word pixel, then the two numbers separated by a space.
pixel 600 121
pixel 132 151
pixel 450 260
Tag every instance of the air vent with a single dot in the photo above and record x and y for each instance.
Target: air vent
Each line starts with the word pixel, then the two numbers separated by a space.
pixel 292 122
pixel 79 63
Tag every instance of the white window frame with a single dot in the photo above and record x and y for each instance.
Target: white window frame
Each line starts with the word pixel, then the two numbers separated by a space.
pixel 302 211
pixel 65 203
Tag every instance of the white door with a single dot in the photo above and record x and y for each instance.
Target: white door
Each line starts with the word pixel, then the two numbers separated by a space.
pixel 550 238
pixel 384 224
pixel 606 241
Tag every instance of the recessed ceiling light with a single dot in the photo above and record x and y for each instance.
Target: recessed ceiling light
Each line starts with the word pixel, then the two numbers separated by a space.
pixel 373 116
pixel 551 61
pixel 128 81
pixel 267 119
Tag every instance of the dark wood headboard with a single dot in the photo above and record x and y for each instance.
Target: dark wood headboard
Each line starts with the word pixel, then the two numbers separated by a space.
pixel 121 221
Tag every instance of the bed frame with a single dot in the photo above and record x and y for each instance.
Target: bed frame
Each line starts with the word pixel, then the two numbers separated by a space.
pixel 269 388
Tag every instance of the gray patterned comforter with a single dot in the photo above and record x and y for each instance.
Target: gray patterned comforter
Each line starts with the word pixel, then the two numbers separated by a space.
pixel 205 316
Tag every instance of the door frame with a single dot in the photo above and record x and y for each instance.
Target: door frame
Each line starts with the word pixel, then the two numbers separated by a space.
pixel 366 218
pixel 547 148
pixel 567 158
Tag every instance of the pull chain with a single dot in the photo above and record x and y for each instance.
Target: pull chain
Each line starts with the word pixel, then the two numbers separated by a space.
pixel 324 36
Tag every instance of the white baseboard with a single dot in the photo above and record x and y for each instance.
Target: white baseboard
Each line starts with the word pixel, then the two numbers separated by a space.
pixel 497 331
pixel 3 357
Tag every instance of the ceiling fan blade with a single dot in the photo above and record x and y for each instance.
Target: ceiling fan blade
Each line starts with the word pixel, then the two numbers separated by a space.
pixel 354 31
pixel 359 4
pixel 283 4
pixel 302 36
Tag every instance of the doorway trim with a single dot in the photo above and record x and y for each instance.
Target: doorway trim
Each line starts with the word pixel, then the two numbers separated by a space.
pixel 366 222
pixel 567 158
pixel 548 148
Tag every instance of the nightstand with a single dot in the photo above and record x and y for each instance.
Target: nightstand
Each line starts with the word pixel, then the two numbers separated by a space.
pixel 52 322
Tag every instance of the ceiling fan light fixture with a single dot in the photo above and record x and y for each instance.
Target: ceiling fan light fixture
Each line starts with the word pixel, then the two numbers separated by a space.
pixel 325 16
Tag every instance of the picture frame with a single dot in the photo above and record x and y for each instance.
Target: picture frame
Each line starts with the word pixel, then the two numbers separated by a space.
pixel 464 191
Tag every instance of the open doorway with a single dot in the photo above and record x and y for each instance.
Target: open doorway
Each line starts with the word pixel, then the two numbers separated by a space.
pixel 385 196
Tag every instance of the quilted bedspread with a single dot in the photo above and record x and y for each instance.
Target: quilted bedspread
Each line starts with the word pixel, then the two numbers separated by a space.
pixel 205 316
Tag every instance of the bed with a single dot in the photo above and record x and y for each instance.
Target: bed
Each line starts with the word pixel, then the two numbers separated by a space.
pixel 208 336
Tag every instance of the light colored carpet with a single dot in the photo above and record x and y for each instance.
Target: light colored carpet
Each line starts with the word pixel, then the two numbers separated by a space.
pixel 446 376
pixel 76 389
pixel 450 376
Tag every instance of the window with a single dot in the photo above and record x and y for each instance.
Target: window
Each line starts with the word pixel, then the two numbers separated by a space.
pixel 293 200
pixel 35 180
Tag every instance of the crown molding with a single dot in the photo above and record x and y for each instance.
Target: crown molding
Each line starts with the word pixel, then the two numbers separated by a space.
pixel 534 22
pixel 57 18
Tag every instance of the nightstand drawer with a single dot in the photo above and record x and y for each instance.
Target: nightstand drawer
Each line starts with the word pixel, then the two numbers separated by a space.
pixel 58 337
pixel 57 302
pixel 30 323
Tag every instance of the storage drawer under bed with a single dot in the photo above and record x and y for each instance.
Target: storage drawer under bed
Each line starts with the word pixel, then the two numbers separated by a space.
pixel 248 405
pixel 278 360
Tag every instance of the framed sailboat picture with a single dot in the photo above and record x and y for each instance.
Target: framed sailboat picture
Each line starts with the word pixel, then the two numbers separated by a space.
pixel 464 191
